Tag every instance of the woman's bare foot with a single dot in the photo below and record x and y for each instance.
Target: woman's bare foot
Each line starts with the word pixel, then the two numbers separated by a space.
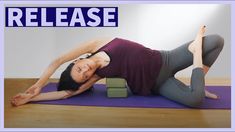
pixel 197 43
pixel 211 95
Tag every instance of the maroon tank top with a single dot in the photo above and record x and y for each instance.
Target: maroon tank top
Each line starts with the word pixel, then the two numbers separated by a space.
pixel 139 65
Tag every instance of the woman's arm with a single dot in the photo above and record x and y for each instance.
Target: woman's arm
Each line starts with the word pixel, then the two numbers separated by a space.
pixel 24 98
pixel 55 95
pixel 86 47
pixel 66 94
pixel 84 87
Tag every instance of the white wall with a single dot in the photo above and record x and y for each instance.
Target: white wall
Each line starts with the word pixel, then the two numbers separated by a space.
pixel 28 51
pixel 162 26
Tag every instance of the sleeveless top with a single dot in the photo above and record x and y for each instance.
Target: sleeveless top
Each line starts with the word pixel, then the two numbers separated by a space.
pixel 137 64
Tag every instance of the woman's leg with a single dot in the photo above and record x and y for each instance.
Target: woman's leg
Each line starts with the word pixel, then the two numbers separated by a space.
pixel 210 57
pixel 196 49
pixel 178 91
pixel 211 48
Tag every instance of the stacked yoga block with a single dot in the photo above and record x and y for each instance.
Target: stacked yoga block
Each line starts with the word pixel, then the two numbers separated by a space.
pixel 116 87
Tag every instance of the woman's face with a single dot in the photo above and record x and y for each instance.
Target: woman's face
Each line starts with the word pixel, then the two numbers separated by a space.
pixel 83 70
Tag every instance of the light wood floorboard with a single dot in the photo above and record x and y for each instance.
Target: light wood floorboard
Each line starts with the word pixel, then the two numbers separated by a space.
pixel 59 116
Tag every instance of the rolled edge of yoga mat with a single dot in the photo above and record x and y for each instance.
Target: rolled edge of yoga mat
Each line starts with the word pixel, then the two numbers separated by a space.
pixel 115 82
pixel 117 92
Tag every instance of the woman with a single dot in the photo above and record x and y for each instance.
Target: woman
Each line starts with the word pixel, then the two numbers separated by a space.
pixel 146 71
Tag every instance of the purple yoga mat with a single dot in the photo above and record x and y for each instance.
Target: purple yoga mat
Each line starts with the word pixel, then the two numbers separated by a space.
pixel 98 97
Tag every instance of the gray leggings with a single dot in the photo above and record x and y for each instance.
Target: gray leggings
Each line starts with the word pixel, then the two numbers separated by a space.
pixel 180 58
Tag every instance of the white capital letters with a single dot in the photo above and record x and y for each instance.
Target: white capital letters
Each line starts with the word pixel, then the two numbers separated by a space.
pixel 80 19
pixel 94 17
pixel 44 18
pixel 59 16
pixel 108 16
pixel 12 18
pixel 29 16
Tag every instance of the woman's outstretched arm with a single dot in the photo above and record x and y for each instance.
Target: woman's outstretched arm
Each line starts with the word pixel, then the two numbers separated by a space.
pixel 23 98
pixel 86 47
pixel 66 93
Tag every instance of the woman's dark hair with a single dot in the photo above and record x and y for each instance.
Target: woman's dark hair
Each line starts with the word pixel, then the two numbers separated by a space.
pixel 66 82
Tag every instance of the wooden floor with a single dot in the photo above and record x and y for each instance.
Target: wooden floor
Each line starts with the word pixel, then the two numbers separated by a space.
pixel 59 116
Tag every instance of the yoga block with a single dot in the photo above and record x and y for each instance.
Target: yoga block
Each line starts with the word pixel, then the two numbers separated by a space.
pixel 117 92
pixel 115 82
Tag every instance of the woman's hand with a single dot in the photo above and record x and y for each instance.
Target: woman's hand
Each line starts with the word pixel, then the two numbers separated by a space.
pixel 20 99
pixel 33 90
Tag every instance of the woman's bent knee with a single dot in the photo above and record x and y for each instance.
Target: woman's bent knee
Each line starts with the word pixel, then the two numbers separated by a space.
pixel 218 41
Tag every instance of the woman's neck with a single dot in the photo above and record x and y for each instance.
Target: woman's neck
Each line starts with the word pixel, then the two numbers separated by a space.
pixel 99 61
